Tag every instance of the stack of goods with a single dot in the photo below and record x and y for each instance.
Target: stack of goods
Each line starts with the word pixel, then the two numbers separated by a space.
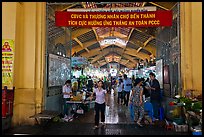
pixel 78 97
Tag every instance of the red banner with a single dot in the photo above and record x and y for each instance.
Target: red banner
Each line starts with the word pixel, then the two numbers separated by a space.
pixel 114 19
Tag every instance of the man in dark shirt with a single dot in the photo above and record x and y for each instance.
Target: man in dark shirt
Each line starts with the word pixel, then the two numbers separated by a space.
pixel 155 94
pixel 90 84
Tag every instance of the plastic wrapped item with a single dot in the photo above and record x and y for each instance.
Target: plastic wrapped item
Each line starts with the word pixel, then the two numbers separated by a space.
pixel 180 128
pixel 107 110
pixel 197 130
pixel 91 104
pixel 80 111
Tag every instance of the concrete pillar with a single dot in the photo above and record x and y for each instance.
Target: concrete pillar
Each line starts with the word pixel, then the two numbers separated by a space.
pixel 25 23
pixel 191 46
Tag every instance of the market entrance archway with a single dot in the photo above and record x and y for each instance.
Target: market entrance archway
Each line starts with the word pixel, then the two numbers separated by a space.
pixel 130 47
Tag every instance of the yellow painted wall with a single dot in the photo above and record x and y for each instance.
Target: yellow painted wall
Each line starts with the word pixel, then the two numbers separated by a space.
pixel 25 23
pixel 191 46
pixel 8 20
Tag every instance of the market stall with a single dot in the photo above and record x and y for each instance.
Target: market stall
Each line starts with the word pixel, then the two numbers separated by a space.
pixel 80 104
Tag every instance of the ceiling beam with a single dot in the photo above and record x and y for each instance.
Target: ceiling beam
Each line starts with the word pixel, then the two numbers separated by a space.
pixel 96 58
pixel 128 51
pixel 80 31
pixel 68 7
pixel 93 28
pixel 133 52
pixel 116 44
pixel 150 48
pixel 145 43
pixel 127 40
pixel 116 34
pixel 158 5
pixel 91 53
pixel 79 42
pixel 78 48
pixel 144 32
pixel 118 51
pixel 130 58
pixel 127 65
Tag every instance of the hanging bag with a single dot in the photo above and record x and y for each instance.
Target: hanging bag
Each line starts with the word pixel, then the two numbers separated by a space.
pixel 107 110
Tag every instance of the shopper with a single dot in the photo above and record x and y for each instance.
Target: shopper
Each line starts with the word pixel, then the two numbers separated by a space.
pixel 119 90
pixel 67 92
pixel 155 94
pixel 100 103
pixel 145 86
pixel 90 84
pixel 137 100
pixel 127 86
pixel 74 84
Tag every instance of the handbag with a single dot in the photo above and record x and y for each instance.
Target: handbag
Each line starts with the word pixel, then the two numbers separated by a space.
pixel 107 110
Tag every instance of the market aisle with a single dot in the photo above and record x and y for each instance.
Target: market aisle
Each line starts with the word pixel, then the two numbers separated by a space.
pixel 118 114
pixel 118 123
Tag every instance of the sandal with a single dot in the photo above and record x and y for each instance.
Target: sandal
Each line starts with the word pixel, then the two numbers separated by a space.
pixel 139 124
pixel 95 127
pixel 103 124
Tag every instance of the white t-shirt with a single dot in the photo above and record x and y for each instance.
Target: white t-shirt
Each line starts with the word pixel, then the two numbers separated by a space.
pixel 100 95
pixel 66 89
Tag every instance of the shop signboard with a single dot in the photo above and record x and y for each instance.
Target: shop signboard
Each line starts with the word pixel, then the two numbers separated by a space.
pixel 113 19
pixel 113 72
pixel 7 63
pixel 79 62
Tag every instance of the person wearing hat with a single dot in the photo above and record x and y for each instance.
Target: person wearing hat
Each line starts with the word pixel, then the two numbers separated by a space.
pixel 136 99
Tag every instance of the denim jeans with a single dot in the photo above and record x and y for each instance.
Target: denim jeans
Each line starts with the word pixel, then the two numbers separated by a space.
pixel 156 105
pixel 66 107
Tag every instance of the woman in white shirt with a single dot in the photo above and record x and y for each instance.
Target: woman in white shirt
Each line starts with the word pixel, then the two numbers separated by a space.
pixel 100 103
pixel 67 92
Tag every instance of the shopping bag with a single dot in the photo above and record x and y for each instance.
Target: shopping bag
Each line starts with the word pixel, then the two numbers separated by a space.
pixel 107 110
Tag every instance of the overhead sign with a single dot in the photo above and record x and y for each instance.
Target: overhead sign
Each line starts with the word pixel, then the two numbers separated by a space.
pixel 113 19
pixel 118 9
pixel 7 63
pixel 79 61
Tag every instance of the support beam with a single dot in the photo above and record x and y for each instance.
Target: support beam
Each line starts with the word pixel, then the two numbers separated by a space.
pixel 150 38
pixel 91 53
pixel 133 52
pixel 117 44
pixel 116 34
pixel 127 40
pixel 79 42
pixel 118 51
pixel 77 48
pixel 158 5
pixel 74 4
pixel 128 51
pixel 127 65
pixel 130 58
pixel 150 48
pixel 79 32
pixel 96 58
